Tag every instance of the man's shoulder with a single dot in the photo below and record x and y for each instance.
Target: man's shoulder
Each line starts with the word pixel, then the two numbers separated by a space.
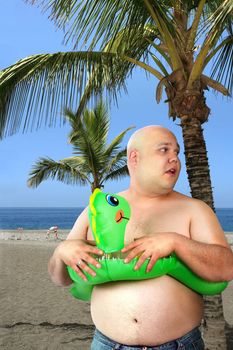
pixel 190 201
pixel 181 197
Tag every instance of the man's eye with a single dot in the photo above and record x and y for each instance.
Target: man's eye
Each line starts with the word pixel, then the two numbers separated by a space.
pixel 164 149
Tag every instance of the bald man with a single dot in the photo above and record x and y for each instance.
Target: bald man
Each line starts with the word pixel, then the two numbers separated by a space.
pixel 159 313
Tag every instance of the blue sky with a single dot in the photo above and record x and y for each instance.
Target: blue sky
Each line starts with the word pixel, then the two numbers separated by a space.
pixel 26 31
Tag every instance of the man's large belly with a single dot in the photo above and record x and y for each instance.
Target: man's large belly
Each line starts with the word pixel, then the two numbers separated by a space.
pixel 149 312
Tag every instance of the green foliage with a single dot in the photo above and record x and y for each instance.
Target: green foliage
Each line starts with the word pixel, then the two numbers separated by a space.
pixel 93 161
pixel 172 40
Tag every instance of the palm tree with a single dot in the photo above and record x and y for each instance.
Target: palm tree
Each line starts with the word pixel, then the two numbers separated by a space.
pixel 94 161
pixel 175 41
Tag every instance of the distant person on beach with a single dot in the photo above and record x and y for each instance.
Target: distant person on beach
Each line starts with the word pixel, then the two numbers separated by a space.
pixel 52 230
pixel 160 311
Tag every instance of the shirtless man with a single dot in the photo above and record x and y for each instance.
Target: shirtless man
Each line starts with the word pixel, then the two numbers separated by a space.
pixel 151 312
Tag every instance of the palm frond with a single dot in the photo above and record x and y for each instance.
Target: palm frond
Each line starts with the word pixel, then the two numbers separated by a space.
pixel 196 22
pixel 83 144
pixel 216 22
pixel 215 18
pixel 160 64
pixel 98 123
pixel 95 21
pixel 46 168
pixel 214 85
pixel 219 12
pixel 222 69
pixel 87 94
pixel 89 129
pixel 136 44
pixel 163 52
pixel 89 136
pixel 136 49
pixel 74 161
pixel 117 174
pixel 159 89
pixel 115 160
pixel 42 85
pixel 113 147
pixel 162 18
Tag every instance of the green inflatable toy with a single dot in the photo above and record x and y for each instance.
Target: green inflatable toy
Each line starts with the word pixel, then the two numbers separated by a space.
pixel 108 217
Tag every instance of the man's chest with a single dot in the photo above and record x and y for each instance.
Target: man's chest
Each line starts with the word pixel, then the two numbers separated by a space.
pixel 152 221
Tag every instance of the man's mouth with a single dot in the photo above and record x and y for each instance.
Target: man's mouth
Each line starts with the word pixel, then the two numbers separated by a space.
pixel 171 171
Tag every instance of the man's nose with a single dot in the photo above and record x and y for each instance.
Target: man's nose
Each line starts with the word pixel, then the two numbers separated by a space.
pixel 173 158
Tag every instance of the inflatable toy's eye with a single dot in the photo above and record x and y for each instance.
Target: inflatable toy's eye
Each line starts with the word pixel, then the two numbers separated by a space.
pixel 112 200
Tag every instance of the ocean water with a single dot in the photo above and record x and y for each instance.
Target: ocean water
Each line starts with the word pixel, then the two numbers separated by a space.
pixel 38 218
pixel 64 218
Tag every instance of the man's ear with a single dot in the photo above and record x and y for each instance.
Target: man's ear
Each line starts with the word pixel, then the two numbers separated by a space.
pixel 133 157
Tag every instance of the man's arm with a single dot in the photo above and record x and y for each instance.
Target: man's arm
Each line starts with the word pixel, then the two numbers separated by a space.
pixel 75 249
pixel 206 252
pixel 212 262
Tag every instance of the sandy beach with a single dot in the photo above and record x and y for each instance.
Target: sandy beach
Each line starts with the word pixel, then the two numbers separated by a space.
pixel 35 314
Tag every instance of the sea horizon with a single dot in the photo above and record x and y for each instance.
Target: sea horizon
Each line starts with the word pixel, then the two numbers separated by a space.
pixel 40 218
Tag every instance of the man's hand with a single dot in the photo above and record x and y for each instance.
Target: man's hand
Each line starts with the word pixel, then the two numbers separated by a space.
pixel 153 246
pixel 77 254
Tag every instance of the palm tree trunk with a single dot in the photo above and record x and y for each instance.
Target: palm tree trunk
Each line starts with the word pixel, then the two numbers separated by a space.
pixel 95 184
pixel 197 165
pixel 199 179
pixel 214 325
